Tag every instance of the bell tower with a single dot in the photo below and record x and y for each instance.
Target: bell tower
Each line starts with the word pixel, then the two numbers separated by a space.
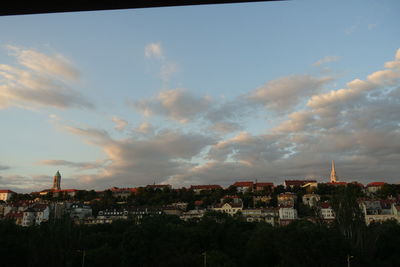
pixel 57 181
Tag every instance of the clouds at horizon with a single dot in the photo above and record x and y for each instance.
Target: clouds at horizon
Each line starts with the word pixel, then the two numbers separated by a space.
pixel 357 126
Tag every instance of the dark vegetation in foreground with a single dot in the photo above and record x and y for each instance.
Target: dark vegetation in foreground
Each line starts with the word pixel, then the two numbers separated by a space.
pixel 168 241
pixel 219 239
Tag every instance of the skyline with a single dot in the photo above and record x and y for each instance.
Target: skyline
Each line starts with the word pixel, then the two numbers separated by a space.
pixel 201 95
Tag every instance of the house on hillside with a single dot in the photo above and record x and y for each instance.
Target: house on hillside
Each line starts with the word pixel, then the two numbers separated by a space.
pixel 229 208
pixel 5 194
pixel 242 187
pixel 36 214
pixel 268 215
pixel 263 186
pixel 199 188
pixel 327 213
pixel 311 200
pixel 300 183
pixel 287 214
pixel 287 199
pixel 374 186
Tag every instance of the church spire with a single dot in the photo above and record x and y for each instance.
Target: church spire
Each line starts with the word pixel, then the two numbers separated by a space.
pixel 333 173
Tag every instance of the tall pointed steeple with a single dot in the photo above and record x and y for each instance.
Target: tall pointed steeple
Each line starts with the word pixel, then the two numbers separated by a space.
pixel 57 181
pixel 333 173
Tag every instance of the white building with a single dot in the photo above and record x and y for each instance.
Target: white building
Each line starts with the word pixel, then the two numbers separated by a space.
pixel 35 215
pixel 78 211
pixel 379 210
pixel 269 215
pixel 229 208
pixel 287 214
pixel 327 212
pixel 192 214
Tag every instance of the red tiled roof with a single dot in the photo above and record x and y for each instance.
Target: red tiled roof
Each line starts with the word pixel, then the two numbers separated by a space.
pixel 243 184
pixel 198 202
pixel 206 187
pixel 6 191
pixel 325 205
pixel 376 184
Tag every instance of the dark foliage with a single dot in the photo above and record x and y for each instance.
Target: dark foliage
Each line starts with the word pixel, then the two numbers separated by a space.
pixel 219 239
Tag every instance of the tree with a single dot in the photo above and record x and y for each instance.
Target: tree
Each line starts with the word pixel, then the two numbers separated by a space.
pixel 349 218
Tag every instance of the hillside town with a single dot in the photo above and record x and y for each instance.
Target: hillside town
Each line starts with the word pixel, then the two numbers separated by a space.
pixel 252 201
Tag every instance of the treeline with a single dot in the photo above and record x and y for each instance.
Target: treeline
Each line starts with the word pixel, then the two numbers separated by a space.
pixel 218 239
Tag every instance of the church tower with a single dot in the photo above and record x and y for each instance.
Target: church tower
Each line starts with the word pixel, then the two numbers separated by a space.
pixel 57 181
pixel 333 173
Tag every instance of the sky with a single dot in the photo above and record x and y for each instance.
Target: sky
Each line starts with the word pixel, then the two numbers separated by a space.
pixel 208 94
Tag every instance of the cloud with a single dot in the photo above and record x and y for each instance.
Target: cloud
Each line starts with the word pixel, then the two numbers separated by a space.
pixel 326 59
pixel 177 104
pixel 95 136
pixel 153 50
pixel 144 128
pixel 137 161
pixel 357 126
pixel 77 165
pixel 225 127
pixel 40 81
pixel 25 184
pixel 285 93
pixel 57 65
pixel 120 124
pixel 4 167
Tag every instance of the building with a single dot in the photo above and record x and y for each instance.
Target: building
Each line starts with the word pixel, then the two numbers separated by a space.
pixel 108 216
pixel 333 177
pixel 287 199
pixel 159 186
pixel 122 192
pixel 269 215
pixel 35 215
pixel 327 212
pixel 16 216
pixel 264 186
pixel 199 188
pixel 229 208
pixel 299 183
pixel 57 181
pixel 261 200
pixel 374 186
pixel 311 199
pixel 79 211
pixel 379 210
pixel 242 187
pixel 5 194
pixel 196 214
pixel 287 214
pixel 65 192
